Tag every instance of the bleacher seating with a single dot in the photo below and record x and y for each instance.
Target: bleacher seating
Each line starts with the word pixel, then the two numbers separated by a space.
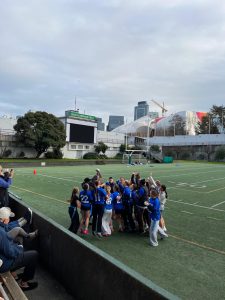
pixel 11 287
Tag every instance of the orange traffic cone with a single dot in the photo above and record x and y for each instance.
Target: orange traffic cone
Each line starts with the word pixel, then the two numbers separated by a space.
pixel 35 171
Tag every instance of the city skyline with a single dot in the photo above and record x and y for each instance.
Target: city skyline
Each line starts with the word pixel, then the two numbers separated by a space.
pixel 109 56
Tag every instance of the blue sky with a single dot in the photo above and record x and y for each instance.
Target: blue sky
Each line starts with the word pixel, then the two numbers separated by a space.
pixel 110 55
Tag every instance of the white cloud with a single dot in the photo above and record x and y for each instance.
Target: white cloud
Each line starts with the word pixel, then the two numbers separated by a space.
pixel 110 55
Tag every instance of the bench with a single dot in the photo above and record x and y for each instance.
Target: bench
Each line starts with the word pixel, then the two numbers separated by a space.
pixel 12 287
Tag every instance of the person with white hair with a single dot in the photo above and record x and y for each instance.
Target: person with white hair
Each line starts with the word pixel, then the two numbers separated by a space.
pixel 17 234
pixel 15 257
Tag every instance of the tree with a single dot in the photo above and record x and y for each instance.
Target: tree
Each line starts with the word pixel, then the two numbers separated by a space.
pixel 122 148
pixel 40 131
pixel 214 122
pixel 208 125
pixel 101 147
pixel 155 148
pixel 177 126
pixel 220 153
pixel 218 113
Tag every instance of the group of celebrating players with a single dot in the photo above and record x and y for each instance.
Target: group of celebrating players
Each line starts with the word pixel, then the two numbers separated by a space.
pixel 135 205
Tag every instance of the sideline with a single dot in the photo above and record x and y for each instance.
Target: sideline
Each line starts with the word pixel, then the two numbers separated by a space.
pixel 45 196
pixel 198 245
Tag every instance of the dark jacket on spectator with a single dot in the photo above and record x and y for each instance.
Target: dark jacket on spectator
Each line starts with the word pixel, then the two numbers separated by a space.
pixel 4 185
pixel 9 251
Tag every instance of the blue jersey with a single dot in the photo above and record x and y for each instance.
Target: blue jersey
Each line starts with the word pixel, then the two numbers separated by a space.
pixel 100 196
pixel 108 202
pixel 121 187
pixel 117 201
pixel 127 196
pixel 85 198
pixel 155 209
pixel 142 195
pixel 134 197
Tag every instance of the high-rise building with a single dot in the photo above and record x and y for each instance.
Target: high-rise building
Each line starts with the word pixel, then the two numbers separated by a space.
pixel 115 121
pixel 100 125
pixel 141 110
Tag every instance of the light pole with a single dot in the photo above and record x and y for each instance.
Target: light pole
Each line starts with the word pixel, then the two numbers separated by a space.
pixel 209 124
pixel 148 131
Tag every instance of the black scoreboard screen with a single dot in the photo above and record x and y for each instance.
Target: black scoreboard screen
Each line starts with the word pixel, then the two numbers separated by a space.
pixel 81 133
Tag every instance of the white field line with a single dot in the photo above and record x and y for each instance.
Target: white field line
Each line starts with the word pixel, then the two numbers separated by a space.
pixel 214 218
pixel 208 180
pixel 218 204
pixel 196 202
pixel 186 212
pixel 186 190
pixel 66 179
pixel 199 245
pixel 55 177
pixel 196 205
pixel 148 171
pixel 215 190
pixel 45 196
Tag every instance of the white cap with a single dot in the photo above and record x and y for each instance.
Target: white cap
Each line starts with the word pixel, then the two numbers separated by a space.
pixel 6 213
pixel 97 170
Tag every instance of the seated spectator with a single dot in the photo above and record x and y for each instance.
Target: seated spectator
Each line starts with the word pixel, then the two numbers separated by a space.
pixel 15 257
pixel 17 234
pixel 26 220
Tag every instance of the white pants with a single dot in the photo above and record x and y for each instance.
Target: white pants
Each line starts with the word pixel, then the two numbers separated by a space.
pixel 106 219
pixel 153 231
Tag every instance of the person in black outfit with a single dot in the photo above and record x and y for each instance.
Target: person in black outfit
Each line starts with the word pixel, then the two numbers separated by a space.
pixel 74 205
pixel 142 196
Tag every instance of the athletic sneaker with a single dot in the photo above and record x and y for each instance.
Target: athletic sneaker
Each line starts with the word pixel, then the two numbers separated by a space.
pixel 28 216
pixel 164 236
pixel 85 231
pixel 99 234
pixel 33 235
pixel 28 286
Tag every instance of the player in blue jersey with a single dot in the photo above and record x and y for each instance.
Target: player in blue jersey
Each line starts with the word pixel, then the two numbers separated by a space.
pixel 98 208
pixel 154 214
pixel 86 199
pixel 121 183
pixel 118 208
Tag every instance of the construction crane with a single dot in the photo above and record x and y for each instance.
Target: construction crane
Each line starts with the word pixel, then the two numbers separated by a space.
pixel 161 106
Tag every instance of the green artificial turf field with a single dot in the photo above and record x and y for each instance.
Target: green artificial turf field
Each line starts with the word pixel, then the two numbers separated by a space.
pixel 191 262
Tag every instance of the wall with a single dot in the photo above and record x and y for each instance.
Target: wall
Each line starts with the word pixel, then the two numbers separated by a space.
pixel 85 271
pixel 187 140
